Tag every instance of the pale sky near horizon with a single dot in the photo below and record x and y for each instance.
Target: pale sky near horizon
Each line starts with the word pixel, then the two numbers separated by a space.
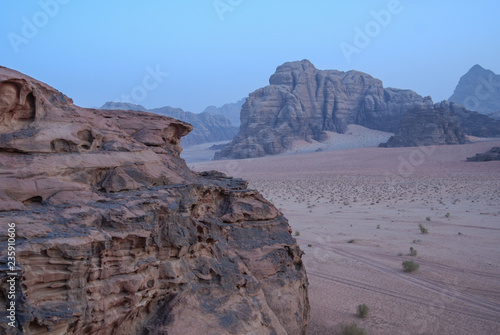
pixel 192 54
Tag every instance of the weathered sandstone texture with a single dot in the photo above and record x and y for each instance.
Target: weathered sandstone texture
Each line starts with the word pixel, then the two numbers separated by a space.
pixel 115 235
pixel 303 103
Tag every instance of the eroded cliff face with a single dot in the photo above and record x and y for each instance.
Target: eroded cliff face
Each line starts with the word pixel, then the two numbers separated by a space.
pixel 115 235
pixel 303 102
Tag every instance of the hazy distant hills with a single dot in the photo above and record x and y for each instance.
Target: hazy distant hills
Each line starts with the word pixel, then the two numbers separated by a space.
pixel 231 111
pixel 207 127
pixel 479 90
pixel 303 103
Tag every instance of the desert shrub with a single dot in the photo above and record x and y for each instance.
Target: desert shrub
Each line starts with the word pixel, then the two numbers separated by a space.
pixel 297 233
pixel 447 215
pixel 413 252
pixel 351 329
pixel 410 266
pixel 423 229
pixel 378 226
pixel 351 241
pixel 362 311
pixel 428 218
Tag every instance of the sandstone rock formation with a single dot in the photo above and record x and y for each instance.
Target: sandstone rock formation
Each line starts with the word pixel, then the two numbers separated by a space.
pixel 428 126
pixel 115 235
pixel 231 111
pixel 491 155
pixel 474 123
pixel 478 90
pixel 302 102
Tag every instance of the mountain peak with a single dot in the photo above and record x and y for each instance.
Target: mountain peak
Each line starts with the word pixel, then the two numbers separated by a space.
pixel 477 68
pixel 478 90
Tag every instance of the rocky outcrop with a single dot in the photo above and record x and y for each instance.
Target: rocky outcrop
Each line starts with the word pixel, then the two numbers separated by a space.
pixel 302 102
pixel 115 235
pixel 443 123
pixel 474 123
pixel 428 126
pixel 206 127
pixel 478 90
pixel 231 111
pixel 491 155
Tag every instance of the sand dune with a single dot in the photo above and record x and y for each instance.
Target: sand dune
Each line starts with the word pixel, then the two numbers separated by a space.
pixel 378 197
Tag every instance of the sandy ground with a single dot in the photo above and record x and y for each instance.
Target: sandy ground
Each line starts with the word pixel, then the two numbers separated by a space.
pixel 376 198
pixel 200 152
pixel 355 137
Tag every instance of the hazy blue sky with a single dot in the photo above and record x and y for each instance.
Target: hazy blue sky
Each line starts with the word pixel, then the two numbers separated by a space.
pixel 219 51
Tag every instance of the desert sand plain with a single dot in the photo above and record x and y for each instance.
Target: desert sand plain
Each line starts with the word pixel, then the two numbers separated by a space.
pixel 356 213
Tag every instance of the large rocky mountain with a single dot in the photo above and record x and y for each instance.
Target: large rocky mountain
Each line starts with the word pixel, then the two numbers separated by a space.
pixel 207 127
pixel 303 102
pixel 479 90
pixel 115 235
pixel 231 111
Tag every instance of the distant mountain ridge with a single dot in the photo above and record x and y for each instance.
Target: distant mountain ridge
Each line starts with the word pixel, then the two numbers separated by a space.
pixel 230 110
pixel 207 127
pixel 479 90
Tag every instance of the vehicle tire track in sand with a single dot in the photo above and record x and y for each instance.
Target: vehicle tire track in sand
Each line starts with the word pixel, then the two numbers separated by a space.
pixel 399 296
pixel 429 285
pixel 424 283
pixel 444 266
